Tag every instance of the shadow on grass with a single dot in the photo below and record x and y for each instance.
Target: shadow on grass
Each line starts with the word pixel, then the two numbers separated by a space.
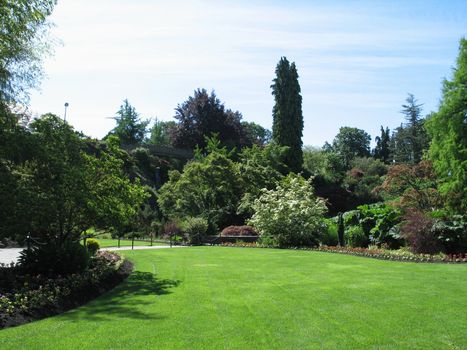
pixel 131 299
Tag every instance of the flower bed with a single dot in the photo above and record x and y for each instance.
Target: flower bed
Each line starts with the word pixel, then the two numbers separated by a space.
pixel 384 254
pixel 399 255
pixel 24 298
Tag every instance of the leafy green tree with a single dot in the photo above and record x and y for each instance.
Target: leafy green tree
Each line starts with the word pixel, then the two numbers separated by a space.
pixel 448 129
pixel 290 214
pixel 287 128
pixel 130 129
pixel 412 187
pixel 382 150
pixel 161 133
pixel 350 143
pixel 366 174
pixel 209 187
pixel 66 185
pixel 255 134
pixel 315 161
pixel 328 170
pixel 23 43
pixel 115 198
pixel 260 167
pixel 323 164
pixel 204 115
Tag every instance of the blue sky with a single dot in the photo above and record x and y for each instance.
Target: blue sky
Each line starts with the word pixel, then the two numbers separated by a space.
pixel 357 60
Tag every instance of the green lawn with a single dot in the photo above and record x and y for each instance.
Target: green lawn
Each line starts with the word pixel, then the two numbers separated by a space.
pixel 239 298
pixel 124 243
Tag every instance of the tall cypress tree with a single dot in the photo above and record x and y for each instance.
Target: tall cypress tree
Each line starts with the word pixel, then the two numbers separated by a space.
pixel 287 128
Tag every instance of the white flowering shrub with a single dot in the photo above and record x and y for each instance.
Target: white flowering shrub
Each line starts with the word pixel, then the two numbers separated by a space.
pixel 290 215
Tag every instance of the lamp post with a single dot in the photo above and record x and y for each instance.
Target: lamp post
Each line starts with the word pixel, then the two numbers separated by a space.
pixel 64 116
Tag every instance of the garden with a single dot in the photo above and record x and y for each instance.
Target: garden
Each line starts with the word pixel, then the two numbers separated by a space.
pixel 350 245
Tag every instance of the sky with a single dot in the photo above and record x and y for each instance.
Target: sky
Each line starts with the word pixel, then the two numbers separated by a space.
pixel 357 60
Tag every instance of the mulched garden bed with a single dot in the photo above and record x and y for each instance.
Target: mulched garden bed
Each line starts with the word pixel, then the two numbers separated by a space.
pixel 25 298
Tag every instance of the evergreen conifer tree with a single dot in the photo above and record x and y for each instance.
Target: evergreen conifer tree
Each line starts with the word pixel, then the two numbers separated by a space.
pixel 130 129
pixel 382 149
pixel 416 134
pixel 287 126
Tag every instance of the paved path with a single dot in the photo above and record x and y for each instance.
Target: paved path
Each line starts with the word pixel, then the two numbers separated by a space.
pixel 8 255
pixel 142 247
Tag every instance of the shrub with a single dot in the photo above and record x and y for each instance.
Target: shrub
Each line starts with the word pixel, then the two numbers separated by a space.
pixel 92 245
pixel 267 241
pixel 452 233
pixel 172 229
pixel 291 214
pixel 236 231
pixel 351 217
pixel 417 229
pixel 52 258
pixel 195 229
pixel 380 222
pixel 24 296
pixel 355 236
pixel 330 235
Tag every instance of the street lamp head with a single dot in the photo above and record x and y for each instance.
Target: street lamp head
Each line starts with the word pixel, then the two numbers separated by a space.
pixel 66 104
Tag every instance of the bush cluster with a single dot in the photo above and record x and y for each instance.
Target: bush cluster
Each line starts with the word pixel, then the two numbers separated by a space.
pixel 430 234
pixel 376 224
pixel 191 230
pixel 194 229
pixel 238 231
pixel 290 215
pixel 55 258
pixel 355 237
pixel 25 297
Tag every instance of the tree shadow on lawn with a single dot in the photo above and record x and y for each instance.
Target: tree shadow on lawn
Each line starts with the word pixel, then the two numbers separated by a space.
pixel 127 300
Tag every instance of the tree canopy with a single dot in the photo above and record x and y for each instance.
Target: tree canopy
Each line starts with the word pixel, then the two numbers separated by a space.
pixel 448 130
pixel 204 115
pixel 209 187
pixel 161 133
pixel 350 143
pixel 130 129
pixel 23 43
pixel 65 184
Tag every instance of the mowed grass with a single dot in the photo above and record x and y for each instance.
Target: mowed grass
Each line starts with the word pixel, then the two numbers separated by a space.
pixel 240 298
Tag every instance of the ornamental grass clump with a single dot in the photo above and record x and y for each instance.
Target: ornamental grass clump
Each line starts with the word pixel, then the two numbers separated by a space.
pixel 291 215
